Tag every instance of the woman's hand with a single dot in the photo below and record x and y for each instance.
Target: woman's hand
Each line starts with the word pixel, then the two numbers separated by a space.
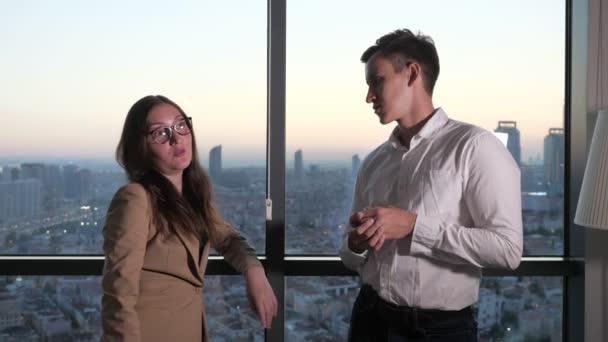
pixel 260 294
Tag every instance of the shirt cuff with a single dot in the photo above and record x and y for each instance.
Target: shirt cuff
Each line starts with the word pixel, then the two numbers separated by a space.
pixel 427 231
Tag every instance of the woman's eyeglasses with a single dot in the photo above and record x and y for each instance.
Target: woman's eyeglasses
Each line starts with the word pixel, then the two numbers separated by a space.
pixel 163 134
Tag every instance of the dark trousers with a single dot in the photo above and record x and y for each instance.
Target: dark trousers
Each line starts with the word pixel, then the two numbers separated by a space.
pixel 376 320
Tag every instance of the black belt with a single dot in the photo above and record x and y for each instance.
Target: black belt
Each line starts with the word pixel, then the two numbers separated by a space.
pixel 390 311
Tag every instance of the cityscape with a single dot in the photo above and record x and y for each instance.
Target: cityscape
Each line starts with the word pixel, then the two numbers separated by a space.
pixel 48 208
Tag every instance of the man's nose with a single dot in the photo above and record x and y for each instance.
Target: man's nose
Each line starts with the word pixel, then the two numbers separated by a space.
pixel 370 97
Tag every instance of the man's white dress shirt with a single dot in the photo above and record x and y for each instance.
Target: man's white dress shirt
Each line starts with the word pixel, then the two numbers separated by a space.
pixel 464 186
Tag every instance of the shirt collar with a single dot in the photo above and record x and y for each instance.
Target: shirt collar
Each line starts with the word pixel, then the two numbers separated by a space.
pixel 430 127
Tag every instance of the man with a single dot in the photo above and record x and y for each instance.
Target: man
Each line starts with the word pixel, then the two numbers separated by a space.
pixel 432 206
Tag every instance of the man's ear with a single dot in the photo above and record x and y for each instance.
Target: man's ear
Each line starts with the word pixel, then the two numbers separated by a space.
pixel 414 73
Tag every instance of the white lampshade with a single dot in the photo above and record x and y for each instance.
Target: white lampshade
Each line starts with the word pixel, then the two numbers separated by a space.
pixel 592 210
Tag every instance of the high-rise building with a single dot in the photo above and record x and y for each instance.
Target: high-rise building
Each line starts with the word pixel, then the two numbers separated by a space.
pixel 86 185
pixel 8 200
pixel 513 142
pixel 554 155
pixel 299 166
pixel 71 182
pixel 9 173
pixel 33 170
pixel 20 198
pixel 356 164
pixel 53 189
pixel 50 178
pixel 215 162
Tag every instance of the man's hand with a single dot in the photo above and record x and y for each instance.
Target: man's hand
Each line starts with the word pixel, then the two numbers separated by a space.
pixel 372 226
pixel 361 238
pixel 260 294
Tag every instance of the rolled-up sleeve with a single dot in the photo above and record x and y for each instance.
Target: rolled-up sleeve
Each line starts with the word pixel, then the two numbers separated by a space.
pixel 493 197
pixel 125 235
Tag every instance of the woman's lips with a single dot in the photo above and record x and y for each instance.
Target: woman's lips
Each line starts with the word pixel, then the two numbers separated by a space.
pixel 179 152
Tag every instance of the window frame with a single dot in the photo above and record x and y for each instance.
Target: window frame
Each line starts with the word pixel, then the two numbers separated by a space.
pixel 278 265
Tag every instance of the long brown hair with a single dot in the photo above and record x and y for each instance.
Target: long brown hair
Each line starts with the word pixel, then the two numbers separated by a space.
pixel 193 212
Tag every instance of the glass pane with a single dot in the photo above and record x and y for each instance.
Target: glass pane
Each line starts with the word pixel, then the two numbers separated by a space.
pixel 69 78
pixel 68 309
pixel 509 308
pixel 506 80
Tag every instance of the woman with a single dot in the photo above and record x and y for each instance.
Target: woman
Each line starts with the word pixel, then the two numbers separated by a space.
pixel 158 233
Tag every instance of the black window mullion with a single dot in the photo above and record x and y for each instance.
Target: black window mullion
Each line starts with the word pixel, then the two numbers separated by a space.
pixel 275 228
pixel 315 266
pixel 575 130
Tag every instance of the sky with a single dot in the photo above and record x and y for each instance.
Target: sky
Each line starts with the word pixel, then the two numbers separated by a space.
pixel 72 69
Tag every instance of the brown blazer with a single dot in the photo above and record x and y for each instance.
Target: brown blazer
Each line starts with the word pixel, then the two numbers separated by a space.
pixel 152 284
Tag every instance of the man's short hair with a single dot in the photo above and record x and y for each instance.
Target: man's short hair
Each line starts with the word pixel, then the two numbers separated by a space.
pixel 403 46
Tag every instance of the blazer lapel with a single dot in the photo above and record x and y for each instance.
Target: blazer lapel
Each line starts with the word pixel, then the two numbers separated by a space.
pixel 192 246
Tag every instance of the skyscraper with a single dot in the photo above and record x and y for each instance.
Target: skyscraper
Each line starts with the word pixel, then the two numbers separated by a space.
pixel 356 164
pixel 5 175
pixel 54 187
pixel 85 177
pixel 50 177
pixel 9 173
pixel 215 162
pixel 71 181
pixel 33 170
pixel 513 143
pixel 554 160
pixel 299 166
pixel 20 198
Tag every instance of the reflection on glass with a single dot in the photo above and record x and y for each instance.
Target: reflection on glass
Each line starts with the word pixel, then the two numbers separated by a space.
pixel 509 308
pixel 330 128
pixel 66 308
